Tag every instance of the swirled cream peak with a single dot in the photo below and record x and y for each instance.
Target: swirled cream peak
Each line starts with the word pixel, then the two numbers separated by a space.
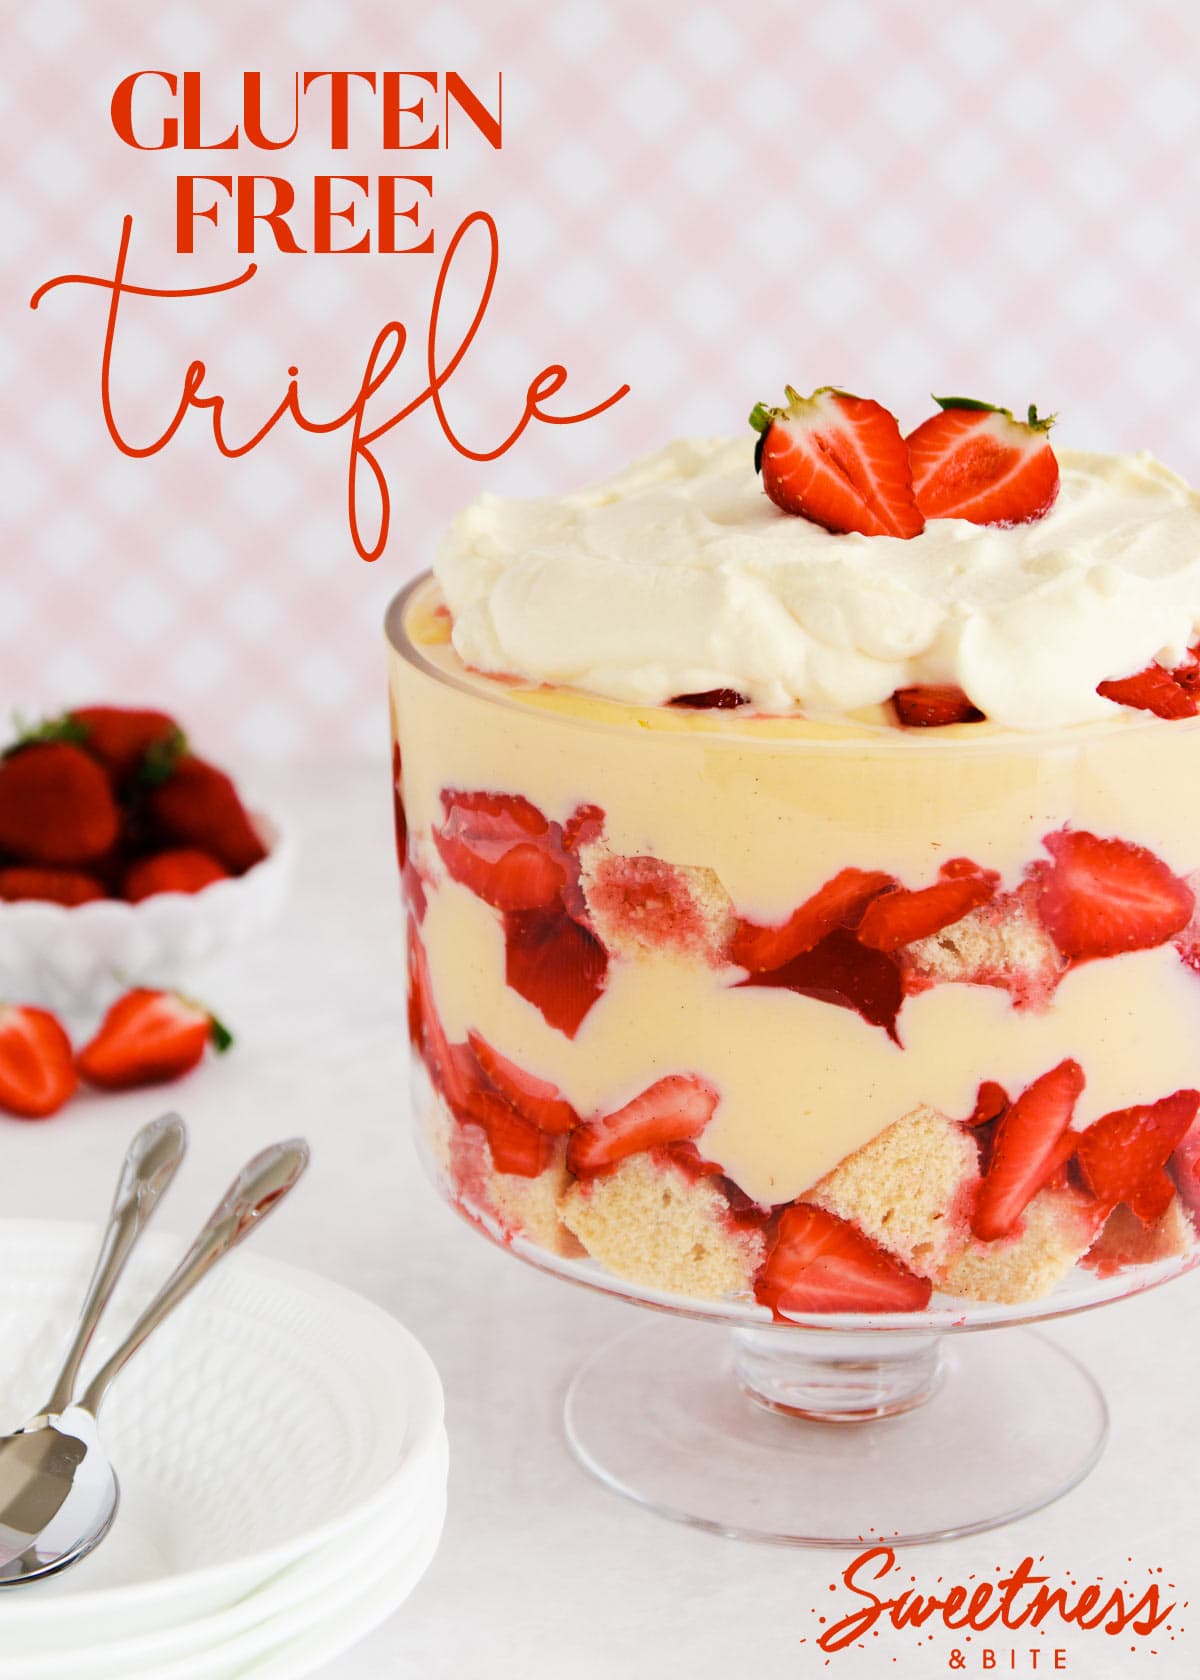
pixel 678 576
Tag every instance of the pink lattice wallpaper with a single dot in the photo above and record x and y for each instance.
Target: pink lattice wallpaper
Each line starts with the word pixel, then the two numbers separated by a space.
pixel 703 201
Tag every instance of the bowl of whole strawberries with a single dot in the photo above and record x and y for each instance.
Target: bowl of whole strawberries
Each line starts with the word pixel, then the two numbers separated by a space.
pixel 124 857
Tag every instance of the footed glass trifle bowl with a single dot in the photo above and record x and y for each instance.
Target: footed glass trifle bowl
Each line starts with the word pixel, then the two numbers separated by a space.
pixel 679 1036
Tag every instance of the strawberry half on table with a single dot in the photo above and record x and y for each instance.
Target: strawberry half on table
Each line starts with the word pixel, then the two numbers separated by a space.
pixel 973 461
pixel 838 461
pixel 37 1069
pixel 147 1038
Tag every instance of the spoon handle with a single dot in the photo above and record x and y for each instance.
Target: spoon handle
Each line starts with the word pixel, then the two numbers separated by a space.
pixel 261 1184
pixel 150 1165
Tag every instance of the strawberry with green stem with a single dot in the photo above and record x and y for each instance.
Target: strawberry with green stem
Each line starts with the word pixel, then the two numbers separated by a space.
pixel 974 461
pixel 838 461
pixel 149 1037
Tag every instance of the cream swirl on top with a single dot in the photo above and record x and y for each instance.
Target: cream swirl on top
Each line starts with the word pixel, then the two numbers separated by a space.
pixel 679 575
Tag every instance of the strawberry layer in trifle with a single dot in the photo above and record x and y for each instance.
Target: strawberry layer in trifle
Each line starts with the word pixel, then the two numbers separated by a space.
pixel 801 848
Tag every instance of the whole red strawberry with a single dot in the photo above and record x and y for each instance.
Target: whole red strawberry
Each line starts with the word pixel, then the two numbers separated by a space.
pixel 197 806
pixel 56 805
pixel 973 461
pixel 839 461
pixel 54 886
pixel 121 736
pixel 149 1037
pixel 37 1071
pixel 182 871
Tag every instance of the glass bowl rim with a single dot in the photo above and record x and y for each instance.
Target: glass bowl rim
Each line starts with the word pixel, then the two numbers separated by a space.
pixel 719 729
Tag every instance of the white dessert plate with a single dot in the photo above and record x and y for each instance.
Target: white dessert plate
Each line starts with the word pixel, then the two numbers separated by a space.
pixel 374 1578
pixel 302 1591
pixel 353 1621
pixel 73 956
pixel 274 1415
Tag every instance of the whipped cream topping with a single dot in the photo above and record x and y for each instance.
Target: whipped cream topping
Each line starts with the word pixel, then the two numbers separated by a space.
pixel 679 575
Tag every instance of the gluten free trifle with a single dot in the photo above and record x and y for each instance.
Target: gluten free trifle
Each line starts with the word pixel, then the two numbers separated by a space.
pixel 801 846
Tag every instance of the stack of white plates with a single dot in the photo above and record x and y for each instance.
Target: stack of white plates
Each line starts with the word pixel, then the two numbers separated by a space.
pixel 282 1462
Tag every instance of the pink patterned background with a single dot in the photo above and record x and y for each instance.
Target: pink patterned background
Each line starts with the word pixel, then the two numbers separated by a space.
pixel 704 200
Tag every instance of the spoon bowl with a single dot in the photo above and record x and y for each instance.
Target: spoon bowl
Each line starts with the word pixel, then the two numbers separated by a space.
pixel 58 1489
pixel 58 1495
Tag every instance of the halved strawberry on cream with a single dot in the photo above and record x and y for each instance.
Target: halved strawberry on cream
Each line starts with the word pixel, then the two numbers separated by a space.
pixel 838 460
pixel 974 461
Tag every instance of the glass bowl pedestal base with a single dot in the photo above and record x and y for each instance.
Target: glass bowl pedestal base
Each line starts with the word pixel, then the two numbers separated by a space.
pixel 825 1438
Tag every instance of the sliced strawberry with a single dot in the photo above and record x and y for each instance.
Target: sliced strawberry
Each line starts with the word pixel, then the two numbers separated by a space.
pixel 711 700
pixel 182 871
pixel 959 868
pixel 1185 1168
pixel 1187 675
pixel 461 1079
pixel 452 1068
pixel 416 1002
pixel 973 461
pixel 56 805
pixel 933 705
pixel 1123 1156
pixel 900 917
pixel 1101 897
pixel 400 819
pixel 517 1145
pixel 37 1066
pixel 555 963
pixel 841 971
pixel 585 824
pixel 502 848
pixel 839 903
pixel 1029 1147
pixel 148 1037
pixel 55 886
pixel 990 1104
pixel 541 1103
pixel 688 1159
pixel 413 884
pixel 1187 941
pixel 820 1263
pixel 672 1110
pixel 1123 1241
pixel 839 461
pixel 582 827
pixel 1154 690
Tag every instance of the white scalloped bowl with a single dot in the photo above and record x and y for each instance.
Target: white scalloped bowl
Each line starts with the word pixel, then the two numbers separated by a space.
pixel 76 956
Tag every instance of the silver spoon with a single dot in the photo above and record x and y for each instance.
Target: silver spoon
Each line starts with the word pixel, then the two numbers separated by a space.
pixel 149 1166
pixel 58 1490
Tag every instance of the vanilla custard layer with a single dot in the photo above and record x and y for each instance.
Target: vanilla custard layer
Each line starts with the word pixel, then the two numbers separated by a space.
pixel 776 807
pixel 804 1083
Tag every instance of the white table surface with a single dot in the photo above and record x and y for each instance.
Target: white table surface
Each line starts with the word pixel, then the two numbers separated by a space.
pixel 543 1574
